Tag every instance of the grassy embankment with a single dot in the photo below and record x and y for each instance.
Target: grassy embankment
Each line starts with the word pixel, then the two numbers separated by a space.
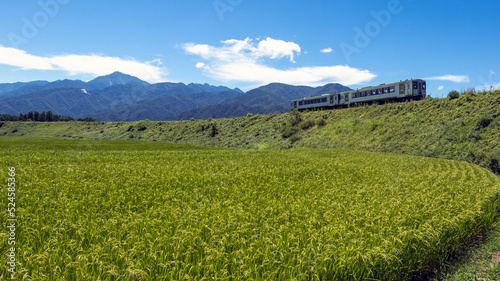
pixel 465 129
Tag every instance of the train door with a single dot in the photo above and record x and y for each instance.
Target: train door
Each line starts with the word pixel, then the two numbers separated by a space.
pixel 333 101
pixel 401 89
pixel 416 87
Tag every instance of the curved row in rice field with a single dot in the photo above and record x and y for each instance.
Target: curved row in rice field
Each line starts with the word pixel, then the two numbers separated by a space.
pixel 119 210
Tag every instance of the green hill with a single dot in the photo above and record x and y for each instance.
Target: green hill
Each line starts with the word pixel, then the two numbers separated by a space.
pixel 466 128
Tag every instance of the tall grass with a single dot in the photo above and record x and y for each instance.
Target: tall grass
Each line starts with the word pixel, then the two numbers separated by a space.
pixel 150 211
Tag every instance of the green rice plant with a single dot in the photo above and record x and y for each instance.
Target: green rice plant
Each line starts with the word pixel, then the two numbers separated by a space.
pixel 128 210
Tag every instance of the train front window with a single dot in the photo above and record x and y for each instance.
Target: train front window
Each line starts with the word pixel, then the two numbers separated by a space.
pixel 423 85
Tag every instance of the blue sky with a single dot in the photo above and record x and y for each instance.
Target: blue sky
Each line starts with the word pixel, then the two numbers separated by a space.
pixel 246 44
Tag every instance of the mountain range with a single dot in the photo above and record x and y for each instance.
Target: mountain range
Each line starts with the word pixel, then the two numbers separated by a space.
pixel 121 97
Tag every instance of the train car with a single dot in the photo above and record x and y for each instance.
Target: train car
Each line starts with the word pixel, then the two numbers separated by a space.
pixel 414 89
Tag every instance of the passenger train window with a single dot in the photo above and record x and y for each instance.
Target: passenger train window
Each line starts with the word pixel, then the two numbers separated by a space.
pixel 415 85
pixel 392 89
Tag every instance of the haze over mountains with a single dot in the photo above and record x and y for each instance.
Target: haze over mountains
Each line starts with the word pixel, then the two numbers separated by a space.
pixel 121 97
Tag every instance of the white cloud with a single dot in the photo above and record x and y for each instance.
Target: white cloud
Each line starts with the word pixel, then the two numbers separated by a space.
pixel 440 88
pixel 327 50
pixel 155 61
pixel 83 64
pixel 245 49
pixel 276 49
pixel 23 60
pixel 487 87
pixel 313 76
pixel 244 61
pixel 452 78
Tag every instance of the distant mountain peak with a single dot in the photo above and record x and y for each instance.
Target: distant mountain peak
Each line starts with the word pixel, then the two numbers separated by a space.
pixel 210 88
pixel 116 78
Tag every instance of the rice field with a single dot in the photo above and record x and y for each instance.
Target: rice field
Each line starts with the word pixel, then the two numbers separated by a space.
pixel 125 210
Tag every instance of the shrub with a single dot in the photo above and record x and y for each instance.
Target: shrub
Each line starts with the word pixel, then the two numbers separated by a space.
pixel 320 122
pixel 294 118
pixel 306 124
pixel 372 125
pixel 494 166
pixel 294 139
pixel 213 131
pixel 289 131
pixel 141 127
pixel 453 95
pixel 483 122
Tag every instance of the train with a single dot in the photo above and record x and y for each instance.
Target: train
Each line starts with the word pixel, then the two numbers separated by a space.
pixel 412 89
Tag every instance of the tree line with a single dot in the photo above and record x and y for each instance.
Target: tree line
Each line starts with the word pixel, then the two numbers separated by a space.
pixel 41 117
